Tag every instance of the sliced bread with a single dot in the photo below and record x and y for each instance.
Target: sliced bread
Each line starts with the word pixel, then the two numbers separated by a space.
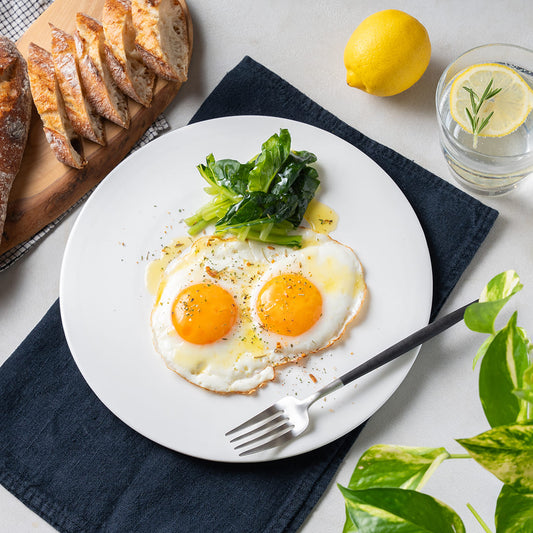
pixel 161 37
pixel 124 61
pixel 65 143
pixel 85 121
pixel 100 88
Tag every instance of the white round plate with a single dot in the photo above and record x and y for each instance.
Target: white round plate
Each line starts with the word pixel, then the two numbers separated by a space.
pixel 140 206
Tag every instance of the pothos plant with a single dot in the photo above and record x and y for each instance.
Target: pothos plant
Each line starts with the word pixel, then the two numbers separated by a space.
pixel 383 494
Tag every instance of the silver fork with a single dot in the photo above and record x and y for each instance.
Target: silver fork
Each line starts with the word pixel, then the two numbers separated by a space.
pixel 289 417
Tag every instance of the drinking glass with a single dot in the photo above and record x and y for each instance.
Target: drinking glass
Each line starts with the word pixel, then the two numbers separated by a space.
pixel 486 165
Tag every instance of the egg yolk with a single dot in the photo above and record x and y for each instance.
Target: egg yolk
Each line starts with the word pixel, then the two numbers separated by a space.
pixel 203 313
pixel 289 304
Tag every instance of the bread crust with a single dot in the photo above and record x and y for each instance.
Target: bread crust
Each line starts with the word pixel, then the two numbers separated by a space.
pixel 65 143
pixel 83 118
pixel 15 117
pixel 100 88
pixel 162 37
pixel 129 72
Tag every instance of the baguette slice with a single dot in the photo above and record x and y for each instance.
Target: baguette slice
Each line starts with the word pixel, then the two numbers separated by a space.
pixel 15 117
pixel 123 59
pixel 83 118
pixel 65 143
pixel 161 37
pixel 100 87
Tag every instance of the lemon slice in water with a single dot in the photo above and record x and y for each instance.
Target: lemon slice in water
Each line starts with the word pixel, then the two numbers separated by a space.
pixel 511 105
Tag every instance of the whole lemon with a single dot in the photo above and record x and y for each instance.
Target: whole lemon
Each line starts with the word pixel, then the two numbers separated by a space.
pixel 387 53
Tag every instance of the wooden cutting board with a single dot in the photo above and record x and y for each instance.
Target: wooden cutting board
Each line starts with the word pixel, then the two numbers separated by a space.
pixel 45 188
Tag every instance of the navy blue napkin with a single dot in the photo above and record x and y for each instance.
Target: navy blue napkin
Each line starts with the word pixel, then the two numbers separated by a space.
pixel 75 464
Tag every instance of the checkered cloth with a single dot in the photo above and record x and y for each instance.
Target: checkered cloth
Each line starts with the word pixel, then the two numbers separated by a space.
pixel 15 17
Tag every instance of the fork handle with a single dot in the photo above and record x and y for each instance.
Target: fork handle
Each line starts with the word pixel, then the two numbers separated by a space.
pixel 386 356
pixel 412 341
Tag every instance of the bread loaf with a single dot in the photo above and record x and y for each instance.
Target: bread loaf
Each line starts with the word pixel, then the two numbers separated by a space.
pixel 123 59
pixel 15 116
pixel 100 88
pixel 161 37
pixel 83 118
pixel 66 145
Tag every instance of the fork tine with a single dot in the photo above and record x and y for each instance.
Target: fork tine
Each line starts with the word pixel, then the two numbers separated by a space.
pixel 267 425
pixel 282 439
pixel 271 433
pixel 263 415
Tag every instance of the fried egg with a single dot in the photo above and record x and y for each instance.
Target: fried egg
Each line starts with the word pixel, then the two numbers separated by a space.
pixel 228 312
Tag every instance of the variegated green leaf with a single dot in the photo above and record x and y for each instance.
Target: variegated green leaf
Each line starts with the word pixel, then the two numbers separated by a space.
pixel 392 510
pixel 481 316
pixel 514 511
pixel 526 392
pixel 396 466
pixel 349 526
pixel 501 286
pixel 506 452
pixel 501 373
pixel 482 350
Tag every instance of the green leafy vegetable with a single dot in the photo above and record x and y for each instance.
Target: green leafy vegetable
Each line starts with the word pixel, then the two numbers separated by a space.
pixel 273 154
pixel 392 510
pixel 263 199
pixel 506 452
pixel 514 511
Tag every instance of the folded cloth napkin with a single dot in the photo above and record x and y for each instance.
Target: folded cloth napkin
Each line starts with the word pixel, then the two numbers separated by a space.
pixel 75 464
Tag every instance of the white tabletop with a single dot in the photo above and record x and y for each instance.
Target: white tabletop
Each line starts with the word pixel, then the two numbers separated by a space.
pixel 303 42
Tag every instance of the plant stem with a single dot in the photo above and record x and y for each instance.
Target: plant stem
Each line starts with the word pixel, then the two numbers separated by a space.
pixel 478 518
pixel 476 102
pixel 460 456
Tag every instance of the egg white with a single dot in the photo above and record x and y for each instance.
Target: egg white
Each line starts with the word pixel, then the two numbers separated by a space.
pixel 246 357
pixel 337 273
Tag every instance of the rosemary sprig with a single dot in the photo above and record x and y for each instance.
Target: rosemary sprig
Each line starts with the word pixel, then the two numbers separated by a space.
pixel 477 102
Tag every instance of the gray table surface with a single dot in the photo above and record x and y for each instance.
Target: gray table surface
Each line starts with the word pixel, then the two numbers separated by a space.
pixel 303 42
